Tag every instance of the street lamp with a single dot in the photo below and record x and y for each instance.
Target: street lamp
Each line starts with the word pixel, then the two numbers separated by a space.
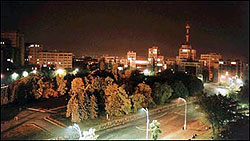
pixel 146 111
pixel 184 127
pixel 14 76
pixel 25 73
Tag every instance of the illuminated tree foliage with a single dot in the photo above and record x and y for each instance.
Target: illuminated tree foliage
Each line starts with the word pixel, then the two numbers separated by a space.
pixel 78 103
pixel 102 66
pixel 61 83
pixel 128 73
pixel 117 102
pixel 137 100
pixel 115 71
pixel 145 90
pixel 93 107
pixel 155 129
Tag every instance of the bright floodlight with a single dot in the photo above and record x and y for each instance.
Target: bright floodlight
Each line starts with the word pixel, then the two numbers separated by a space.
pixel 34 71
pixel 60 72
pixel 76 69
pixel 25 73
pixel 14 76
pixel 239 81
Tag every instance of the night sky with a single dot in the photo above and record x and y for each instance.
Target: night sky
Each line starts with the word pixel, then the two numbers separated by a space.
pixel 117 27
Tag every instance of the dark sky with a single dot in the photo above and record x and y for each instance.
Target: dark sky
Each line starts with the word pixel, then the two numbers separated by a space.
pixel 116 27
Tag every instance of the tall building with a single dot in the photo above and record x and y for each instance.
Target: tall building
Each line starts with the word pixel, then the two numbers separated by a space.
pixel 15 40
pixel 33 50
pixel 57 59
pixel 186 52
pixel 131 56
pixel 229 69
pixel 211 63
pixel 153 52
pixel 186 60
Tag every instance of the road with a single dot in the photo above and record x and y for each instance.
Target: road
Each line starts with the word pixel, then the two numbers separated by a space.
pixel 171 126
pixel 30 117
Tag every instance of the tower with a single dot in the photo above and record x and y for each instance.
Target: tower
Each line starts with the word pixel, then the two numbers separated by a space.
pixel 187 33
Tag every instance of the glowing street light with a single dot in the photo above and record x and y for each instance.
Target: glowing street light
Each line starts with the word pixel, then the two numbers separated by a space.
pixel 184 127
pixel 60 72
pixel 14 76
pixel 25 73
pixel 34 71
pixel 146 111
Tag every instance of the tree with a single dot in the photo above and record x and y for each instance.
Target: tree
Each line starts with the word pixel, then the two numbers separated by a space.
pixel 78 103
pixel 93 107
pixel 179 90
pixel 102 66
pixel 145 90
pixel 243 94
pixel 162 93
pixel 61 83
pixel 222 111
pixel 138 100
pixel 155 129
pixel 114 71
pixel 117 102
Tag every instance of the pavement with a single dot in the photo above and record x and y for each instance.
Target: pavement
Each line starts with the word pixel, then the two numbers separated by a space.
pixel 171 122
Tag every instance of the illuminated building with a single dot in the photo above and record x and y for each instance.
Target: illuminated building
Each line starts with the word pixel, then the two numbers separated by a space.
pixel 186 52
pixel 15 40
pixel 191 67
pixel 131 56
pixel 111 59
pixel 211 63
pixel 153 52
pixel 155 60
pixel 186 61
pixel 229 69
pixel 55 59
pixel 33 50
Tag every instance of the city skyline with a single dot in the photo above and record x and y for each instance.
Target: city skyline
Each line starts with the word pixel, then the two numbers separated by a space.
pixel 117 27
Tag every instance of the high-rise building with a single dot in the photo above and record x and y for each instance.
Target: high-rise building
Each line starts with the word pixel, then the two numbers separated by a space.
pixel 186 52
pixel 33 50
pixel 229 69
pixel 153 52
pixel 211 63
pixel 15 40
pixel 131 56
pixel 57 59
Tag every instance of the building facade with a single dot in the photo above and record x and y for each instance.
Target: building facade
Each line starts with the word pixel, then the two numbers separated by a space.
pixel 210 62
pixel 55 59
pixel 131 57
pixel 229 69
pixel 15 40
pixel 33 50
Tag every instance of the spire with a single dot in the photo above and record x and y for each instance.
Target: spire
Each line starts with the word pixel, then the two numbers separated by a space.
pixel 187 33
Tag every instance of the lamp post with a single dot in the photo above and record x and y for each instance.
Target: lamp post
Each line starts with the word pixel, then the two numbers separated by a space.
pixel 184 127
pixel 146 111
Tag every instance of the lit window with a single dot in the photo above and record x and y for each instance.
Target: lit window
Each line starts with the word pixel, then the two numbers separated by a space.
pixel 184 50
pixel 233 63
pixel 221 62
